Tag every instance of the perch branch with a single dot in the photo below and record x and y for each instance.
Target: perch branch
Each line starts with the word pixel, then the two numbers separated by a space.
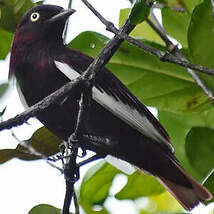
pixel 71 176
pixel 71 170
pixel 77 84
pixel 163 56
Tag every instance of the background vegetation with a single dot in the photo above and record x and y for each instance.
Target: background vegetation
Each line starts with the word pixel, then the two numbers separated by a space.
pixel 183 108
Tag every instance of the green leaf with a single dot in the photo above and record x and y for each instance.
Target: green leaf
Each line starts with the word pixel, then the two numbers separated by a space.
pixel 128 55
pixel 97 182
pixel 39 2
pixel 139 12
pixel 142 30
pixel 177 125
pixel 201 38
pixel 43 141
pixel 199 149
pixel 11 11
pixel 209 184
pixel 163 85
pixel 91 209
pixel 187 99
pixel 143 212
pixel 190 5
pixel 163 202
pixel 3 89
pixel 140 185
pixel 176 24
pixel 44 209
pixel 7 154
pixel 5 43
pixel 174 3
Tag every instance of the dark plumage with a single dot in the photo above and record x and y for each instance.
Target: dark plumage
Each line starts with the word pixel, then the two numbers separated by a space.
pixel 42 63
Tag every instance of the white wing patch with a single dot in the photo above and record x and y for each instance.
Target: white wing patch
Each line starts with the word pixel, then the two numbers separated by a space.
pixel 126 113
pixel 13 83
pixel 121 165
pixel 21 96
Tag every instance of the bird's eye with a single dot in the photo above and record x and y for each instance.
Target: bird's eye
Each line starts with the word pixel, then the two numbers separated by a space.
pixel 34 16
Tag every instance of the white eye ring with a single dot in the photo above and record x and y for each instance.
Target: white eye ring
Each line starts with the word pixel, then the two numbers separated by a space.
pixel 34 16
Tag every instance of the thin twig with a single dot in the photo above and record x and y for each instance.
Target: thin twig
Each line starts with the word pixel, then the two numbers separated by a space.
pixel 67 23
pixel 90 75
pixel 157 27
pixel 212 2
pixel 76 205
pixel 163 56
pixel 89 160
pixel 70 168
pixel 160 32
pixel 24 144
pixel 31 150
pixel 39 107
pixel 97 14
pixel 177 9
pixel 201 84
pixel 83 105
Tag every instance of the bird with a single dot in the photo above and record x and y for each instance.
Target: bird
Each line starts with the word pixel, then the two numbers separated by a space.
pixel 41 63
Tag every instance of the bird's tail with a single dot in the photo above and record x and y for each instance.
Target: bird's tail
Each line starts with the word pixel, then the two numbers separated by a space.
pixel 161 162
pixel 188 197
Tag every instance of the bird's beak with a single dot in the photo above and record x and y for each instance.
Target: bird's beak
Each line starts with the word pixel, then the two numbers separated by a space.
pixel 64 14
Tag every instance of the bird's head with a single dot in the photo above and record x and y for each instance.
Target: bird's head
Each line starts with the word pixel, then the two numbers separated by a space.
pixel 42 23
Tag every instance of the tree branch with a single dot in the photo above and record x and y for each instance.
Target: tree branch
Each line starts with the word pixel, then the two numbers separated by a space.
pixel 67 23
pixel 53 98
pixel 71 176
pixel 103 57
pixel 173 49
pixel 163 56
pixel 71 169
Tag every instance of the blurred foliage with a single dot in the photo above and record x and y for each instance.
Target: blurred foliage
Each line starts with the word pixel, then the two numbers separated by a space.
pixel 42 141
pixel 149 187
pixel 3 89
pixel 209 183
pixel 12 11
pixel 139 12
pixel 183 108
pixel 44 209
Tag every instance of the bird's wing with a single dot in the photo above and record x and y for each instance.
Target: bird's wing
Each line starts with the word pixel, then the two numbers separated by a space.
pixel 115 97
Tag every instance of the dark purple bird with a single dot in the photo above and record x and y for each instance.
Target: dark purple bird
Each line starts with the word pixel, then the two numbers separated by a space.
pixel 42 64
